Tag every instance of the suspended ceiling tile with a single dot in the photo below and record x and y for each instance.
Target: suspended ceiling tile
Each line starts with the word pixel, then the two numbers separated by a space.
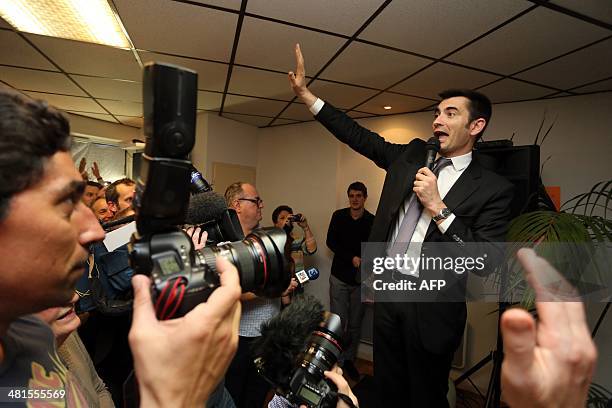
pixel 441 76
pixel 69 103
pixel 256 82
pixel 599 9
pixel 376 67
pixel 39 81
pixel 131 121
pixel 211 75
pixel 320 14
pixel 579 68
pixel 265 44
pixel 122 108
pixel 509 90
pixel 14 50
pixel 111 88
pixel 89 59
pixel 230 4
pixel 249 120
pixel 399 104
pixel 179 28
pixel 252 106
pixel 281 121
pixel 209 100
pixel 596 87
pixel 339 95
pixel 535 37
pixel 98 116
pixel 297 111
pixel 436 27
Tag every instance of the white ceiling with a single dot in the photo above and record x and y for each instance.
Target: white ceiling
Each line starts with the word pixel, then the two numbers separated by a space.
pixel 360 55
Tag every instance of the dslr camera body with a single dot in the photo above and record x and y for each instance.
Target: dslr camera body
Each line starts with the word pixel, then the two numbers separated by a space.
pixel 182 277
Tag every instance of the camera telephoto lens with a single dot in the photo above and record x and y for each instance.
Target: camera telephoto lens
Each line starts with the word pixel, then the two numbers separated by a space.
pixel 261 259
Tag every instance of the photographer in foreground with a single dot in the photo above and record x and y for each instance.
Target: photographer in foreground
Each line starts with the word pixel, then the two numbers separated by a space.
pixel 45 231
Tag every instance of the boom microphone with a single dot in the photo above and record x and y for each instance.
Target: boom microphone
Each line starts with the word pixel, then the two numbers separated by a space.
pixel 284 336
pixel 205 207
pixel 209 211
pixel 433 147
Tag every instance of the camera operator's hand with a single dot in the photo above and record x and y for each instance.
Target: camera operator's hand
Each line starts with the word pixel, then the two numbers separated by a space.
pixel 303 222
pixel 198 237
pixel 179 362
pixel 292 285
pixel 335 375
pixel 551 364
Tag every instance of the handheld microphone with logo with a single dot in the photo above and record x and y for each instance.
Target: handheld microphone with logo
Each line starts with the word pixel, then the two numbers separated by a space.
pixel 307 275
pixel 432 147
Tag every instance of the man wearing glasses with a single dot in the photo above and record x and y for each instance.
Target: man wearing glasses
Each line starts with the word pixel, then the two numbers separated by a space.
pixel 247 387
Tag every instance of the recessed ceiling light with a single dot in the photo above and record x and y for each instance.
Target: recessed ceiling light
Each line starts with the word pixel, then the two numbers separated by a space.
pixel 83 20
pixel 387 107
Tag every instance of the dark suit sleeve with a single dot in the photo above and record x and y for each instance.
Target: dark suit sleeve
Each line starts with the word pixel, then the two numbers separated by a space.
pixel 488 231
pixel 360 139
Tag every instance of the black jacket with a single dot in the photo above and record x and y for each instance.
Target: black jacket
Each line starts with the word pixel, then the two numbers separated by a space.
pixel 480 200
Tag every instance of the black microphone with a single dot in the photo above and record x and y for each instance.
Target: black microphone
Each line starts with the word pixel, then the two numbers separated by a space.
pixel 198 182
pixel 210 212
pixel 205 207
pixel 433 147
pixel 108 225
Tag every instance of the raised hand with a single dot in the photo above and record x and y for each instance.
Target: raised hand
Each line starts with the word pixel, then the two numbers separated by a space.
pixel 297 79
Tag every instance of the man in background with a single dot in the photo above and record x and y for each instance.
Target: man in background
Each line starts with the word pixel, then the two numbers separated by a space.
pixel 348 228
pixel 247 388
pixel 91 192
pixel 119 196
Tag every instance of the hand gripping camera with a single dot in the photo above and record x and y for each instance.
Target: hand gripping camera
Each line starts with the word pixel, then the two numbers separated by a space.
pixel 182 277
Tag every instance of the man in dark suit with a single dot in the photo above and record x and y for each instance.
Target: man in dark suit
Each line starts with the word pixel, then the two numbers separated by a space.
pixel 414 342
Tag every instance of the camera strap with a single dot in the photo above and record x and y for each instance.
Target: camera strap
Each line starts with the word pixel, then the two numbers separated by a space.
pixel 347 400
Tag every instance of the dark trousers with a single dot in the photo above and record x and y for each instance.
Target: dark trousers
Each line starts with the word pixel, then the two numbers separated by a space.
pixel 406 374
pixel 345 301
pixel 247 388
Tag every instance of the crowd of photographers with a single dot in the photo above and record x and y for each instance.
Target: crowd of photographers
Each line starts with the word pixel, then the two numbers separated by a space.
pixel 50 244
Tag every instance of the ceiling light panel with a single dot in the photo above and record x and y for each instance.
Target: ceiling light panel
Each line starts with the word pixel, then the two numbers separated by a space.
pixel 83 20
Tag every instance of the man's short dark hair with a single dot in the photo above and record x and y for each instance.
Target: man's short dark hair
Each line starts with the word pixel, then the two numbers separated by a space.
pixel 95 184
pixel 111 194
pixel 479 106
pixel 30 133
pixel 278 210
pixel 358 186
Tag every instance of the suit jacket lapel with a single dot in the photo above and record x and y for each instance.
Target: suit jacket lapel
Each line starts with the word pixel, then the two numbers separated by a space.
pixel 463 188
